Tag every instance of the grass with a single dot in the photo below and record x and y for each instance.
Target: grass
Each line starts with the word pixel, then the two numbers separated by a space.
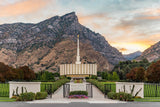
pixel 113 85
pixel 6 99
pixel 148 99
pixel 4 90
pixel 150 90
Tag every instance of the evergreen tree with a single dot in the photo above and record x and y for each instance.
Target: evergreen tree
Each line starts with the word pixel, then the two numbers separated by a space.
pixel 115 76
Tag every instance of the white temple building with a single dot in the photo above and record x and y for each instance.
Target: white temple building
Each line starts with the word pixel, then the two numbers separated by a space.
pixel 78 70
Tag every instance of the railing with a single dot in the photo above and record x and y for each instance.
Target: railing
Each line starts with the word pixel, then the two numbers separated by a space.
pixel 66 90
pixel 109 88
pixel 89 90
pixel 4 90
pixel 151 90
pixel 47 88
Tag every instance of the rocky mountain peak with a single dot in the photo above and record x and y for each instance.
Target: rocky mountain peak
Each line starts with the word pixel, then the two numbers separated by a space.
pixel 32 44
pixel 70 17
pixel 152 53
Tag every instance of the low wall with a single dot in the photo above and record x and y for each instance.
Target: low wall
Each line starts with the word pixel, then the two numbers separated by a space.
pixel 30 86
pixel 128 86
pixel 78 87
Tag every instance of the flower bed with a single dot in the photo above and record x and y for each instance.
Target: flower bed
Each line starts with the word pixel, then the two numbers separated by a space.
pixel 78 96
pixel 78 81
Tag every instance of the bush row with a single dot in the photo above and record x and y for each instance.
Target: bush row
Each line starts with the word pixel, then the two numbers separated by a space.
pixel 30 96
pixel 100 85
pixel 120 96
pixel 54 85
pixel 97 84
pixel 40 95
pixel 78 93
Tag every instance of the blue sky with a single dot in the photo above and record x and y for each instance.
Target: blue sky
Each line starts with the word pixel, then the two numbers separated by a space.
pixel 128 25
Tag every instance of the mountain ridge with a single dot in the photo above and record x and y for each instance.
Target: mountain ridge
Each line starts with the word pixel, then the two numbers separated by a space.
pixel 21 40
pixel 152 53
pixel 133 55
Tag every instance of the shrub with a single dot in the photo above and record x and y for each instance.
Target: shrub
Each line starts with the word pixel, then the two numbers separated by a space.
pixel 112 95
pixel 124 96
pixel 120 96
pixel 93 77
pixel 86 77
pixel 78 93
pixel 27 96
pixel 69 78
pixel 41 95
pixel 78 81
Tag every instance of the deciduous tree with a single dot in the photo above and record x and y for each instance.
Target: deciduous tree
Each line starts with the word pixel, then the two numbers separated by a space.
pixel 153 72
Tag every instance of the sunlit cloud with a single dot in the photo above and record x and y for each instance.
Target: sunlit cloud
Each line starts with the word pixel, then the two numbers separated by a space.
pixel 22 7
pixel 130 47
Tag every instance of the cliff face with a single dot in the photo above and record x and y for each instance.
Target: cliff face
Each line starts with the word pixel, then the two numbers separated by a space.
pixel 152 53
pixel 45 45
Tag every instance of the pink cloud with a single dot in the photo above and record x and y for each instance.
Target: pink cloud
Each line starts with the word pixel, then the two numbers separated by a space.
pixel 22 7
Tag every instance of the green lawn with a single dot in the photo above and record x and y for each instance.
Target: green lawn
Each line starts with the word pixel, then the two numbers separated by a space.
pixel 113 85
pixel 148 99
pixel 6 99
pixel 4 90
pixel 150 90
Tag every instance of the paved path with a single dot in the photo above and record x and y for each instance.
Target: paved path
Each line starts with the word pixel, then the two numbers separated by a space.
pixel 57 97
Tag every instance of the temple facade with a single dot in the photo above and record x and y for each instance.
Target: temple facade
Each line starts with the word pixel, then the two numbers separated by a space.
pixel 78 70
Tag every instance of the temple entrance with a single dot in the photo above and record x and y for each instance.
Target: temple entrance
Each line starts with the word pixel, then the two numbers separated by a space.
pixel 67 88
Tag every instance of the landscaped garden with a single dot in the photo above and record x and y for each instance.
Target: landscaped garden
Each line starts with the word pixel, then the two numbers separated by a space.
pixel 78 81
pixel 78 94
pixel 150 90
pixel 45 87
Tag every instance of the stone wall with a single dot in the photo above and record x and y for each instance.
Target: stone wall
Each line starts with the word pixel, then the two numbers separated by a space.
pixel 77 86
pixel 30 86
pixel 128 86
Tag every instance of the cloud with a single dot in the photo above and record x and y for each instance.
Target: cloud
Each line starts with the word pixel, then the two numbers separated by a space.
pixel 22 7
pixel 151 11
pixel 149 17
pixel 92 17
pixel 132 46
pixel 123 49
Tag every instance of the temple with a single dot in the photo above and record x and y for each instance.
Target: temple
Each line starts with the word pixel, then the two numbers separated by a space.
pixel 78 70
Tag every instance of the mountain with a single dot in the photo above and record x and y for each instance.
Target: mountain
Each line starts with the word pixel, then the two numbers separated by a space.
pixel 133 55
pixel 47 44
pixel 152 53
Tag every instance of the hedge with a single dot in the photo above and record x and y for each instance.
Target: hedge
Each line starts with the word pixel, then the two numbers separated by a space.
pixel 97 84
pixel 27 96
pixel 100 85
pixel 120 96
pixel 78 93
pixel 40 95
pixel 55 85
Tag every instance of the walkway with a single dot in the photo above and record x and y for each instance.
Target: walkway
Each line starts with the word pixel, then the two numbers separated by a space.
pixel 57 97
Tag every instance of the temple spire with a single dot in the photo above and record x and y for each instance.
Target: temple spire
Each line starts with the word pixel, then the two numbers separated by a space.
pixel 78 56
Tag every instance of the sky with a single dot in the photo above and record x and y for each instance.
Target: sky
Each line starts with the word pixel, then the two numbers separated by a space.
pixel 128 25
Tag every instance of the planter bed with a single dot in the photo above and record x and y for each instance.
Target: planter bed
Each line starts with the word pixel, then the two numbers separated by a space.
pixel 78 97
